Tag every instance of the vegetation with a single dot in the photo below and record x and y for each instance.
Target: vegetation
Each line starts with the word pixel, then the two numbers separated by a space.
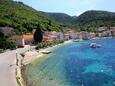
pixel 5 43
pixel 92 20
pixel 61 17
pixel 88 21
pixel 46 44
pixel 24 18
pixel 65 20
pixel 38 35
pixel 18 81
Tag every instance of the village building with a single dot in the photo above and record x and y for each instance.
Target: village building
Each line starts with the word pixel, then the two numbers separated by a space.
pixel 112 31
pixel 104 32
pixel 88 35
pixel 92 35
pixel 85 36
pixel 76 35
pixel 22 40
pixel 66 36
pixel 52 35
pixel 72 34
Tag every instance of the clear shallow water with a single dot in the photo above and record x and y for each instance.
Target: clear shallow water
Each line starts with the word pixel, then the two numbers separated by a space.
pixel 75 64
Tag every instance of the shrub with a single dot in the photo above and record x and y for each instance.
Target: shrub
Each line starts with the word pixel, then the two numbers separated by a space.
pixel 46 44
pixel 11 45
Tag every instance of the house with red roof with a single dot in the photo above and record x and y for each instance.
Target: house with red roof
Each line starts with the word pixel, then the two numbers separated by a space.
pixel 52 35
pixel 22 40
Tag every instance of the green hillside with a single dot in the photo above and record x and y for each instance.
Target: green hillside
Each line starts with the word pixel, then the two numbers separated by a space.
pixel 24 18
pixel 61 17
pixel 88 21
pixel 91 20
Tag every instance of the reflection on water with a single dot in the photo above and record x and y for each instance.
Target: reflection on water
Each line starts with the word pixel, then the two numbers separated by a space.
pixel 75 64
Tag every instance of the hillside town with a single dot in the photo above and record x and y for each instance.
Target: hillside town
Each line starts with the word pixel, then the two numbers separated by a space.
pixel 57 43
pixel 48 36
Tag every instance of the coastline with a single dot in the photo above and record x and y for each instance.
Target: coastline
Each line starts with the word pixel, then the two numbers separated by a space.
pixel 35 54
pixel 40 71
pixel 31 56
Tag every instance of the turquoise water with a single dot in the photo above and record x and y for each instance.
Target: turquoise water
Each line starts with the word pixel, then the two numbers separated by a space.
pixel 75 64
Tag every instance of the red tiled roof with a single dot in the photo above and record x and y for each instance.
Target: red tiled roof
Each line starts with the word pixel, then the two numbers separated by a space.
pixel 92 33
pixel 15 37
pixel 26 37
pixel 77 32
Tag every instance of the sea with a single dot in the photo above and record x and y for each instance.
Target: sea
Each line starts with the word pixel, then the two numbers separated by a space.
pixel 75 64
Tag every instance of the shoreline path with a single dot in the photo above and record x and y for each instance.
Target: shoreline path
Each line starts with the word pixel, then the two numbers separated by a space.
pixel 8 67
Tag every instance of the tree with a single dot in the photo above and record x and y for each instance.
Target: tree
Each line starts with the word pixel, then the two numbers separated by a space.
pixel 38 35
pixel 5 43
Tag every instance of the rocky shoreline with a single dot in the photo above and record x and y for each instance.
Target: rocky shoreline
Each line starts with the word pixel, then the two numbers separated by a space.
pixel 26 59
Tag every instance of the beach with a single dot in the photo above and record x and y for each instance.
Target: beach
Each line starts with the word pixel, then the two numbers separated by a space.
pixel 31 55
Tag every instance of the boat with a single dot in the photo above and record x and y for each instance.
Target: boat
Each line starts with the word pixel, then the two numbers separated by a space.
pixel 95 45
pixel 76 40
pixel 46 52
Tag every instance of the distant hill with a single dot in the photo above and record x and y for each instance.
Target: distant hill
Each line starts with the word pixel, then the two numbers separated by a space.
pixel 88 21
pixel 61 17
pixel 91 20
pixel 24 18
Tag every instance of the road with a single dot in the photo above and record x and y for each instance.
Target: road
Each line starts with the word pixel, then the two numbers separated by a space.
pixel 7 72
pixel 8 67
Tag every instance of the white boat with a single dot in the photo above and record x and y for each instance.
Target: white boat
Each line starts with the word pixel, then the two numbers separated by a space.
pixel 46 52
pixel 76 40
pixel 94 45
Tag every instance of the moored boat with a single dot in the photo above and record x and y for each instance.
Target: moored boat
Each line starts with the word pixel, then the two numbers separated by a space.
pixel 46 52
pixel 76 40
pixel 94 45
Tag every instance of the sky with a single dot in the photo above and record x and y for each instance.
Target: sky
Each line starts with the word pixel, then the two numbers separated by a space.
pixel 71 7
